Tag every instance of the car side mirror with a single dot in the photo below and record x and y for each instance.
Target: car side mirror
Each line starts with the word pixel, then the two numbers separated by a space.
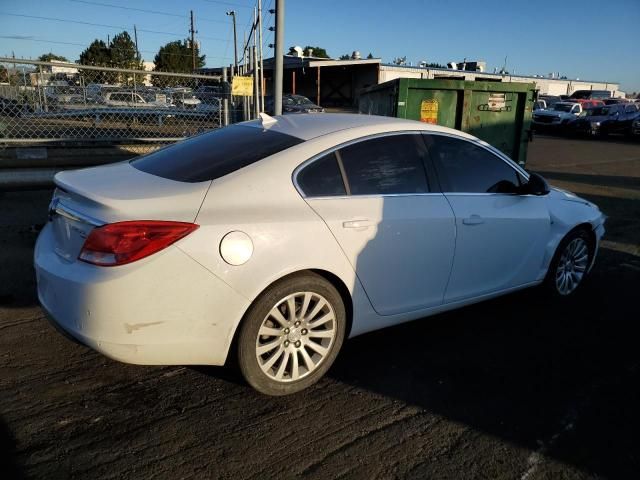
pixel 536 185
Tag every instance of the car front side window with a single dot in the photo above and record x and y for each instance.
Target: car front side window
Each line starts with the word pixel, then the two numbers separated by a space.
pixel 464 167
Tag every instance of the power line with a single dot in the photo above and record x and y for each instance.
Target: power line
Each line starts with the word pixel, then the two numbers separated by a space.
pixel 232 4
pixel 173 34
pixel 143 10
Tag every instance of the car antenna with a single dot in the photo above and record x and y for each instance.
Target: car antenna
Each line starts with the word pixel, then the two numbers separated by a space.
pixel 267 120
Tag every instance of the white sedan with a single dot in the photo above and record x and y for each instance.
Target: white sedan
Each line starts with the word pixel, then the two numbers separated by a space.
pixel 283 236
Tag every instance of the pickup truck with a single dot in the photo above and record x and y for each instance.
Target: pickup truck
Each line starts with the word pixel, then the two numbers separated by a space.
pixel 556 117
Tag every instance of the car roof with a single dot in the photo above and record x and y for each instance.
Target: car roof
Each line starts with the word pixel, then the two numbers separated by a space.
pixel 311 125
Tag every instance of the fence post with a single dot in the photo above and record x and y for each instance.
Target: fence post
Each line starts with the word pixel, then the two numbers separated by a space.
pixel 225 99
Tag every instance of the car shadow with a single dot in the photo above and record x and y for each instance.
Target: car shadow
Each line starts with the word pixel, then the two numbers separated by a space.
pixel 522 367
pixel 9 466
pixel 555 375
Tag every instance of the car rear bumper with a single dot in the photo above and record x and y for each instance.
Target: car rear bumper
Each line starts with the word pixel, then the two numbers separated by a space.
pixel 163 310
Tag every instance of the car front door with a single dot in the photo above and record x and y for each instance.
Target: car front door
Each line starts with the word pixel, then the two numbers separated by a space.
pixel 397 232
pixel 501 236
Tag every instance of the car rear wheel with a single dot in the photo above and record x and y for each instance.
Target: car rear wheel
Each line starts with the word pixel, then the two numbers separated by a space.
pixel 291 335
pixel 570 264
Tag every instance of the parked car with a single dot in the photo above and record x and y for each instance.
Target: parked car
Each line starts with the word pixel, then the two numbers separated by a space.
pixel 132 99
pixel 590 95
pixel 558 116
pixel 95 91
pixel 621 120
pixel 539 105
pixel 182 97
pixel 635 127
pixel 284 236
pixel 586 104
pixel 209 94
pixel 550 100
pixel 11 107
pixel 613 101
pixel 293 104
pixel 591 120
pixel 60 95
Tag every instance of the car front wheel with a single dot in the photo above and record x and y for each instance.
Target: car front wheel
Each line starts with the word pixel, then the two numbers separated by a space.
pixel 291 335
pixel 570 264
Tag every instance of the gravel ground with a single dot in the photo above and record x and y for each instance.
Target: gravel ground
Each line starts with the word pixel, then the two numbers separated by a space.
pixel 520 387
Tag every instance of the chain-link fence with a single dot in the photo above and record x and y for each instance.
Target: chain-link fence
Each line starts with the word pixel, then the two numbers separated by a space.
pixel 53 102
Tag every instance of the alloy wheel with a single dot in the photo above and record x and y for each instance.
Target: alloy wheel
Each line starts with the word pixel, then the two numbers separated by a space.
pixel 572 266
pixel 296 336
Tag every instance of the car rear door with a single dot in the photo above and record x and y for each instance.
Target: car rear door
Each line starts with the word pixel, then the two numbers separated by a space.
pixel 397 232
pixel 501 236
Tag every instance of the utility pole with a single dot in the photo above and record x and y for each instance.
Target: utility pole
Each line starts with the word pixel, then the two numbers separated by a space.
pixel 193 43
pixel 254 56
pixel 260 46
pixel 279 52
pixel 135 38
pixel 232 13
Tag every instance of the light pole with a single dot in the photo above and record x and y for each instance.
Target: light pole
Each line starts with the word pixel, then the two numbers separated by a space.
pixel 232 13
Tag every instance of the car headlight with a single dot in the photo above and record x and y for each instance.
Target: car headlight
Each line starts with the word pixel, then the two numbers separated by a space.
pixel 636 123
pixel 595 124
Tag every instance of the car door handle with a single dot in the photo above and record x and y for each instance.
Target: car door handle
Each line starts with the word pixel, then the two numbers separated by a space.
pixel 473 220
pixel 357 224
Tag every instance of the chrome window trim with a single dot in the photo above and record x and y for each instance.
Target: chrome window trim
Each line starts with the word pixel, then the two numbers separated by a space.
pixel 371 195
pixel 479 143
pixel 353 141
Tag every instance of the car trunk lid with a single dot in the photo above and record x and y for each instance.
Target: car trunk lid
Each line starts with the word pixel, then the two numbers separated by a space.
pixel 87 198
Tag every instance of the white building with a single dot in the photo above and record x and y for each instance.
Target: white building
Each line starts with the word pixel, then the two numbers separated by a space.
pixel 546 86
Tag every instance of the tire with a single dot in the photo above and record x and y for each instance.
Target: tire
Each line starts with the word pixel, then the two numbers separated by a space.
pixel 280 353
pixel 570 264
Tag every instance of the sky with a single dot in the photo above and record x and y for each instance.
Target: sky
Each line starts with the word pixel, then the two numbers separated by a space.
pixel 583 39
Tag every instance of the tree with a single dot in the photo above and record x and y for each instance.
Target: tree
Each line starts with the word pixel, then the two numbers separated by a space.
pixel 318 52
pixel 4 74
pixel 177 57
pixel 370 56
pixel 120 53
pixel 346 56
pixel 400 60
pixel 123 52
pixel 48 57
pixel 97 54
pixel 125 55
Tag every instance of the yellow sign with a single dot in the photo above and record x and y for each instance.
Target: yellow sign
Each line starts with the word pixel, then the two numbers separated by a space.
pixel 242 86
pixel 429 111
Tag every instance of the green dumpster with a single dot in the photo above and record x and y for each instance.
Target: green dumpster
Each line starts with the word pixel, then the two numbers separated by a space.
pixel 497 112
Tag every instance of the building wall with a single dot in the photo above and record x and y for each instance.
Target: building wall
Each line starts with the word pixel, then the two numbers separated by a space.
pixel 549 86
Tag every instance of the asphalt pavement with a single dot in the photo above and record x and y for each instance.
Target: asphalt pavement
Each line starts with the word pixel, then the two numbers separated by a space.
pixel 521 387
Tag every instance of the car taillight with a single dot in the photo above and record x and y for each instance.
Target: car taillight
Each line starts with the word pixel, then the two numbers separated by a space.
pixel 125 242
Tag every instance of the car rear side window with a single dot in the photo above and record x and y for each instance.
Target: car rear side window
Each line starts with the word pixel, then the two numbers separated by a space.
pixel 467 168
pixel 391 164
pixel 215 154
pixel 322 178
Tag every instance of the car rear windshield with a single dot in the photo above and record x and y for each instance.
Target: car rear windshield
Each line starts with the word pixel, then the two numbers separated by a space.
pixel 215 154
